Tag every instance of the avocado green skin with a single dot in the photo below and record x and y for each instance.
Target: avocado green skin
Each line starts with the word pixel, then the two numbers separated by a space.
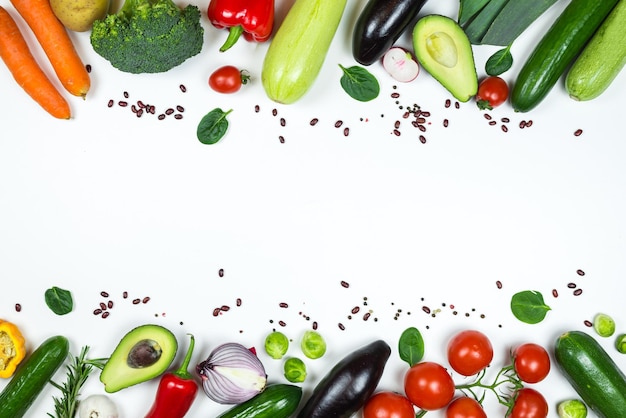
pixel 297 52
pixel 276 401
pixel 556 50
pixel 117 374
pixel 592 373
pixel 602 59
pixel 460 80
pixel 32 376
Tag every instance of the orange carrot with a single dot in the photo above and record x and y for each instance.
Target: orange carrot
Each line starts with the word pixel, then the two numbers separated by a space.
pixel 18 58
pixel 56 43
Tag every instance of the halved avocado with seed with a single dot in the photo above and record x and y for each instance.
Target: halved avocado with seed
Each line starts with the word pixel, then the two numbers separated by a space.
pixel 443 49
pixel 142 354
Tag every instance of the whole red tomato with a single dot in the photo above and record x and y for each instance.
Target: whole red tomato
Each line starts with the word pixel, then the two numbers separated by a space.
pixel 531 362
pixel 388 405
pixel 492 92
pixel 429 386
pixel 528 403
pixel 465 408
pixel 469 352
pixel 228 79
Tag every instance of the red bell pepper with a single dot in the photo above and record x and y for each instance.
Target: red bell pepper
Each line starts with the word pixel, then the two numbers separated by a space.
pixel 252 18
pixel 176 392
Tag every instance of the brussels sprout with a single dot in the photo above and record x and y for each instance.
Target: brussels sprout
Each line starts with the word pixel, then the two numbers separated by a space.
pixel 295 370
pixel 276 345
pixel 572 409
pixel 313 345
pixel 620 343
pixel 604 325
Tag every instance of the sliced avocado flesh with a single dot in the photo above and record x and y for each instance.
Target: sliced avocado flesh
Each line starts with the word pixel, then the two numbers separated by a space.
pixel 443 49
pixel 142 354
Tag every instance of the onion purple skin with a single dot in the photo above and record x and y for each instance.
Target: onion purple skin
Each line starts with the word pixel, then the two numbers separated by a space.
pixel 232 374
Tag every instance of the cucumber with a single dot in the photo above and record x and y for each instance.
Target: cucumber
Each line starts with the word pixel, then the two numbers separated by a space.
pixel 276 401
pixel 592 373
pixel 32 376
pixel 297 52
pixel 602 59
pixel 556 50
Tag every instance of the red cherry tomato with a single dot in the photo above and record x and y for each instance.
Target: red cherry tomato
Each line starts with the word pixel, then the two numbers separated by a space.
pixel 429 386
pixel 528 403
pixel 469 352
pixel 531 362
pixel 388 405
pixel 465 408
pixel 492 92
pixel 227 79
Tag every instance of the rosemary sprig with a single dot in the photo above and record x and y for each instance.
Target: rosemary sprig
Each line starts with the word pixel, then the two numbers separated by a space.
pixel 78 371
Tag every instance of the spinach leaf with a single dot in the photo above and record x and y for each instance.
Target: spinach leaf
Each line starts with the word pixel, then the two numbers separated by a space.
pixel 528 306
pixel 213 126
pixel 59 300
pixel 411 346
pixel 500 62
pixel 359 83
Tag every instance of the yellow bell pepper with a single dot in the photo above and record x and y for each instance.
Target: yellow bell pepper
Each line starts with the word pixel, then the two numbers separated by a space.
pixel 12 348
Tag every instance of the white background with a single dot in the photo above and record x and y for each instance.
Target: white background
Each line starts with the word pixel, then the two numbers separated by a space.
pixel 111 202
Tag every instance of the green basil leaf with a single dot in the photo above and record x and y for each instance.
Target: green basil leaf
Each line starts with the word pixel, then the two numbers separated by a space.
pixel 411 346
pixel 359 83
pixel 59 300
pixel 500 62
pixel 528 306
pixel 213 126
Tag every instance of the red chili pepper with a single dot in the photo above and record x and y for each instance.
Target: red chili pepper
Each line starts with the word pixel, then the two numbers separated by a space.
pixel 253 18
pixel 176 392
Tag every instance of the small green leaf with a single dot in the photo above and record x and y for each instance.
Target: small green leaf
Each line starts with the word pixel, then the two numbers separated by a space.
pixel 359 83
pixel 213 126
pixel 59 300
pixel 411 346
pixel 528 306
pixel 500 62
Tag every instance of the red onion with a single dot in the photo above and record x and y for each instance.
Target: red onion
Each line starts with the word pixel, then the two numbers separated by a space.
pixel 232 374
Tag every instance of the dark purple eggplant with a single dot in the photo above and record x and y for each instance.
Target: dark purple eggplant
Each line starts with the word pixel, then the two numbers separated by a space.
pixel 349 384
pixel 379 26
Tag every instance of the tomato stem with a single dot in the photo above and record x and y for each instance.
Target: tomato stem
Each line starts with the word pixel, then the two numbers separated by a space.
pixel 506 376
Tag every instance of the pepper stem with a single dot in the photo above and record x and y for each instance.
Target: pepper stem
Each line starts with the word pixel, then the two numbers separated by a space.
pixel 233 35
pixel 182 372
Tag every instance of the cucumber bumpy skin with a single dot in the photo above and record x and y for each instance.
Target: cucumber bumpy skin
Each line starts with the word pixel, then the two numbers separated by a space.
pixel 592 373
pixel 602 59
pixel 276 401
pixel 32 376
pixel 556 50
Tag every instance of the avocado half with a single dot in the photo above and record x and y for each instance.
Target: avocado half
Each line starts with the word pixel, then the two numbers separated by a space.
pixel 444 50
pixel 142 354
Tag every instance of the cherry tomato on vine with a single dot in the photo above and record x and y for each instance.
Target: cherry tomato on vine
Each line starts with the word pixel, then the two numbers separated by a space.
pixel 465 408
pixel 528 403
pixel 469 352
pixel 228 79
pixel 531 362
pixel 429 386
pixel 492 92
pixel 388 405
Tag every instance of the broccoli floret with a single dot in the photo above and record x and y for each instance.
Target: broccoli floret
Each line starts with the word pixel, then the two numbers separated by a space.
pixel 148 36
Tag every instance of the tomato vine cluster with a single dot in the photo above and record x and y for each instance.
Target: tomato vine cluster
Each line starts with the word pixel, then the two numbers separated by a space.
pixel 429 386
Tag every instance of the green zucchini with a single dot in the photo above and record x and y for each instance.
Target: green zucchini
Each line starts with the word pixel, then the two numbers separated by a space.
pixel 276 401
pixel 297 52
pixel 556 50
pixel 602 59
pixel 514 18
pixel 592 373
pixel 32 376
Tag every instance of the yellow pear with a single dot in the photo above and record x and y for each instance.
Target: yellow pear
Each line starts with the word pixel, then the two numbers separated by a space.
pixel 79 15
